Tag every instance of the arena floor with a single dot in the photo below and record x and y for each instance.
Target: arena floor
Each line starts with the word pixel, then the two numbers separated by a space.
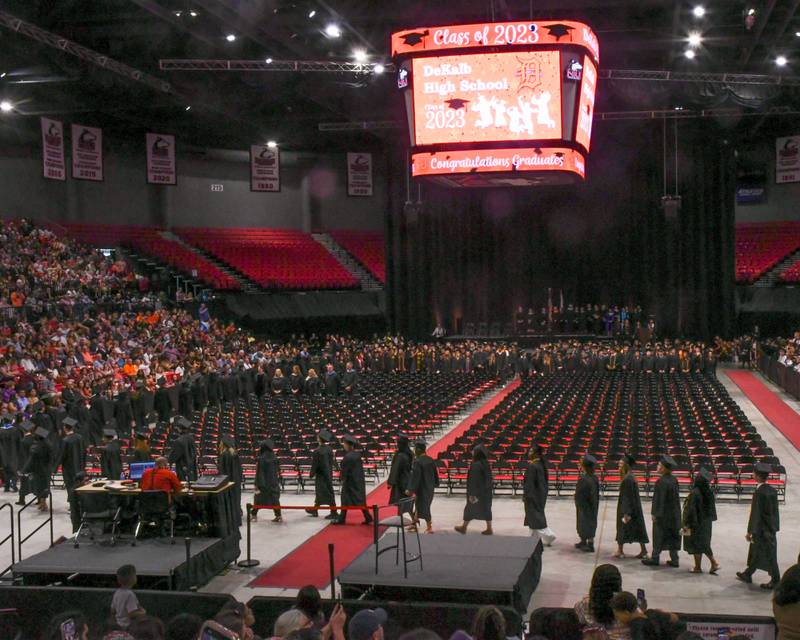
pixel 566 572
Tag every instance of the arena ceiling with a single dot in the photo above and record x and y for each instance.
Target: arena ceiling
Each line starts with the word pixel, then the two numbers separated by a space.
pixel 234 108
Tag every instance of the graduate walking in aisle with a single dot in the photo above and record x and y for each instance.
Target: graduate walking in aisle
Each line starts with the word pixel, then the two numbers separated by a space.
pixel 229 464
pixel 38 467
pixel 268 480
pixel 400 471
pixel 587 504
pixel 630 517
pixel 535 488
pixel 424 480
pixel 110 456
pixel 354 486
pixel 184 453
pixel 480 485
pixel 322 465
pixel 762 529
pixel 699 513
pixel 666 512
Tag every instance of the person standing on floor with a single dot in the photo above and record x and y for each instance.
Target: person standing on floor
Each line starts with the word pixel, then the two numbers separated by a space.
pixel 322 465
pixel 666 512
pixel 230 465
pixel 480 486
pixel 354 486
pixel 630 517
pixel 38 468
pixel 268 480
pixel 535 488
pixel 400 471
pixel 111 456
pixel 762 529
pixel 424 480
pixel 699 513
pixel 587 504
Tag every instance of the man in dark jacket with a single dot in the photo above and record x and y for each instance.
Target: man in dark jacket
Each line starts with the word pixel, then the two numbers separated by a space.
pixel 349 380
pixel 354 488
pixel 322 465
pixel 424 480
pixel 110 456
pixel 333 382
pixel 666 512
pixel 762 529
pixel 184 454
pixel 587 503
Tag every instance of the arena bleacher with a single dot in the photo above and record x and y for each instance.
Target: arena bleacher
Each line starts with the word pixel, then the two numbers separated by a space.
pixel 367 247
pixel 760 246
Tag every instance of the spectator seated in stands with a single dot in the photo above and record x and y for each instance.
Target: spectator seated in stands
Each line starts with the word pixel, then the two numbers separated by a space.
pixel 629 617
pixel 309 601
pixel 184 626
pixel 367 624
pixel 146 628
pixel 125 605
pixel 786 604
pixel 595 610
pixel 161 478
pixel 71 625
pixel 237 617
pixel 489 624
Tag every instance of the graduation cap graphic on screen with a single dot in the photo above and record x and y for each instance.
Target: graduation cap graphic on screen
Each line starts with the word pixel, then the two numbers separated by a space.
pixel 559 30
pixel 87 140
pixel 160 147
pixel 413 38
pixel 456 103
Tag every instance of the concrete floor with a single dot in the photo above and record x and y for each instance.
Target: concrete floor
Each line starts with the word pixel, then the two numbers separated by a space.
pixel 566 572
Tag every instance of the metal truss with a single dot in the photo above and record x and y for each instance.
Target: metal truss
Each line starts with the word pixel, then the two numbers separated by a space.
pixel 272 65
pixel 88 55
pixel 375 125
pixel 697 76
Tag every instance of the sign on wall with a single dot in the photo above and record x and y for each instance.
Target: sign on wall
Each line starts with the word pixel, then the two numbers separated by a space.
pixel 161 167
pixel 787 159
pixel 359 174
pixel 87 153
pixel 265 168
pixel 53 165
pixel 713 630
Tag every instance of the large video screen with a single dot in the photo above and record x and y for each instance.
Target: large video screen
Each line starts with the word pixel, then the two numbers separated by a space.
pixel 583 134
pixel 509 96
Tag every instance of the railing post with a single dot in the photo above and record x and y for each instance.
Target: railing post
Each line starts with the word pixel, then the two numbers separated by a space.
pixel 332 569
pixel 50 501
pixel 375 524
pixel 188 543
pixel 249 562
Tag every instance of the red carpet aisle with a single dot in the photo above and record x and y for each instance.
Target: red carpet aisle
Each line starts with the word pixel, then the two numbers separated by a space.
pixel 781 415
pixel 308 564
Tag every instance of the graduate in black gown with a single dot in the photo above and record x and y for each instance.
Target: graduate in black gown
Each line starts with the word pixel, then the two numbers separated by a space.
pixel 354 488
pixel 73 455
pixel 762 529
pixel 400 471
pixel 110 456
pixel 587 503
pixel 699 513
pixel 25 446
pixel 141 448
pixel 423 482
pixel 229 464
pixel 535 487
pixel 10 438
pixel 268 480
pixel 480 485
pixel 184 453
pixel 322 466
pixel 630 518
pixel 39 467
pixel 349 380
pixel 666 512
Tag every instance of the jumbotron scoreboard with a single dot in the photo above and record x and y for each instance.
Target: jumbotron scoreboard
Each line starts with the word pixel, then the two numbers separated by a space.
pixel 499 104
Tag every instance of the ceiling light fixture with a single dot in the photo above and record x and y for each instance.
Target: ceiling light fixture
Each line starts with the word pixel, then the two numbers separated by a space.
pixel 781 61
pixel 272 144
pixel 230 37
pixel 268 60
pixel 699 11
pixel 359 55
pixel 193 14
pixel 3 75
pixel 378 69
pixel 178 14
pixel 312 13
pixel 751 11
pixel 797 33
pixel 333 31
pixel 6 106
pixel 689 53
pixel 188 107
pixel 695 39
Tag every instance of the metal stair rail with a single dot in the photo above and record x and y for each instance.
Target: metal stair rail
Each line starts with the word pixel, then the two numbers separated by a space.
pixel 10 538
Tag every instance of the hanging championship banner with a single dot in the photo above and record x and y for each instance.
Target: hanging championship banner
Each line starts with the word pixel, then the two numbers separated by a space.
pixel 359 174
pixel 87 153
pixel 787 159
pixel 161 167
pixel 265 168
pixel 53 165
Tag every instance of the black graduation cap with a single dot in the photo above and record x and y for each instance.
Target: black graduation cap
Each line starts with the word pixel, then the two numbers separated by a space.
pixel 763 468
pixel 228 441
pixel 558 30
pixel 325 435
pixel 704 473
pixel 629 459
pixel 668 462
pixel 456 103
pixel 42 432
pixel 109 433
pixel 414 37
pixel 183 424
pixel 28 426
pixel 351 439
pixel 421 443
pixel 70 422
pixel 266 443
pixel 590 460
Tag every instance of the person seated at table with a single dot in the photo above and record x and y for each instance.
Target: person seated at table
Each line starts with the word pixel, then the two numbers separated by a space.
pixel 161 478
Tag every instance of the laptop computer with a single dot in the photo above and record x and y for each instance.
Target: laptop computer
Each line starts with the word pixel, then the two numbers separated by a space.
pixel 138 469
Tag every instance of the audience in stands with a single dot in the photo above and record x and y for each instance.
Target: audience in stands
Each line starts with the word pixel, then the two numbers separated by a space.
pixel 595 610
pixel 184 626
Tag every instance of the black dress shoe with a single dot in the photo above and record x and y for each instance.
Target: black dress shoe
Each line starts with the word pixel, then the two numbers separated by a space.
pixel 650 562
pixel 332 516
pixel 312 512
pixel 589 547
pixel 673 563
pixel 769 586
pixel 580 545
pixel 337 521
pixel 20 503
pixel 743 577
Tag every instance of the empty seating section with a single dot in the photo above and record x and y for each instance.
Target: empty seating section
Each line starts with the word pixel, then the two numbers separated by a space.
pixel 792 274
pixel 760 246
pixel 689 416
pixel 367 247
pixel 149 241
pixel 273 258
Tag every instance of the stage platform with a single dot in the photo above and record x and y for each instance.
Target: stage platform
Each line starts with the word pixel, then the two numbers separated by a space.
pixel 501 570
pixel 159 564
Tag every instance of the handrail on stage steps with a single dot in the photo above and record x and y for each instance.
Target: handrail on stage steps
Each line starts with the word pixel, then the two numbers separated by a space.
pixel 48 521
pixel 9 537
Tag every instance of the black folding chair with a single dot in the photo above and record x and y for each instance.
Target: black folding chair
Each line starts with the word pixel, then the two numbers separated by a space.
pixel 98 510
pixel 399 523
pixel 153 509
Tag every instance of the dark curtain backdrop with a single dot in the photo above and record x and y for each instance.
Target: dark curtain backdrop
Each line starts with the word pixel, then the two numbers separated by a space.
pixel 476 255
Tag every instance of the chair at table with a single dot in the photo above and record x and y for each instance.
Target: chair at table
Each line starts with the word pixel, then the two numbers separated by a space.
pixel 154 508
pixel 98 509
pixel 399 523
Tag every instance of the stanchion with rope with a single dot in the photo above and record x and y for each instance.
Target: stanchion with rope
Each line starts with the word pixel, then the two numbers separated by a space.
pixel 248 562
pixel 331 566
